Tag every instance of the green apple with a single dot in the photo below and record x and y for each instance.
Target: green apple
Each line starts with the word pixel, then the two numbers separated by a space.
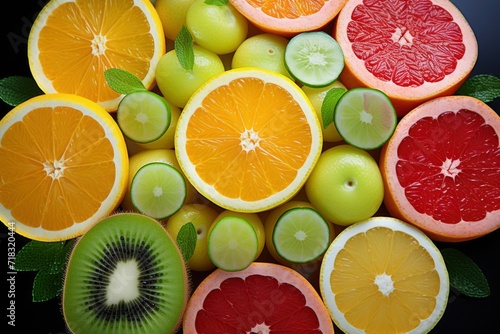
pixel 345 185
pixel 202 217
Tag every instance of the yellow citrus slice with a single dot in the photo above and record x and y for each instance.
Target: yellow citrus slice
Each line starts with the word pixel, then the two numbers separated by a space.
pixel 382 275
pixel 72 43
pixel 248 139
pixel 64 166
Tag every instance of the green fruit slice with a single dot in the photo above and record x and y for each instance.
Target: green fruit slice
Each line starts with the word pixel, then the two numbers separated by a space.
pixel 125 275
pixel 301 235
pixel 158 190
pixel 143 116
pixel 365 118
pixel 232 243
pixel 314 59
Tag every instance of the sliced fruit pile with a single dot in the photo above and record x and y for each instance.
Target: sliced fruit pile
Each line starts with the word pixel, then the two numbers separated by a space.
pixel 296 159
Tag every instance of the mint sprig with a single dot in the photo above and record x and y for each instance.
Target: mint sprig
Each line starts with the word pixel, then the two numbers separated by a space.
pixel 465 275
pixel 484 87
pixel 49 259
pixel 186 240
pixel 184 50
pixel 329 103
pixel 122 81
pixel 217 2
pixel 16 89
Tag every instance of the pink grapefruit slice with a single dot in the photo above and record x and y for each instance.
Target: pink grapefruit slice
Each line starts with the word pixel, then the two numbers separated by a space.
pixel 412 50
pixel 441 169
pixel 263 298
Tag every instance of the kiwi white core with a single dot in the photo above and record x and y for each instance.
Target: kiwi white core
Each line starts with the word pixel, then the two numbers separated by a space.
pixel 124 283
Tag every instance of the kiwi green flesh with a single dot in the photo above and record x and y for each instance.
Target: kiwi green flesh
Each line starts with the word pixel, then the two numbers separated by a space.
pixel 125 275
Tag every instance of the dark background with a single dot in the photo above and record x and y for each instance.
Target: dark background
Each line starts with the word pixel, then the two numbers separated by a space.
pixel 463 314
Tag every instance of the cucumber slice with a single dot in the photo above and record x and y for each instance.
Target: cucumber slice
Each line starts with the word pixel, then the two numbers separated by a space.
pixel 365 118
pixel 143 116
pixel 158 190
pixel 314 59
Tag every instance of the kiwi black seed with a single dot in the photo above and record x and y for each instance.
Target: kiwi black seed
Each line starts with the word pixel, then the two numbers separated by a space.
pixel 125 275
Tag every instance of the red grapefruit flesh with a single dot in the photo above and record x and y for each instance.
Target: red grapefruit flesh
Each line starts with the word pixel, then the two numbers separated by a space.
pixel 441 169
pixel 263 298
pixel 412 50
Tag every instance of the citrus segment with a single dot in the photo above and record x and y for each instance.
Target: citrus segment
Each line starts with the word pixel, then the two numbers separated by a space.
pixel 382 275
pixel 289 17
pixel 72 43
pixel 263 298
pixel 64 166
pixel 440 168
pixel 411 50
pixel 248 139
pixel 365 118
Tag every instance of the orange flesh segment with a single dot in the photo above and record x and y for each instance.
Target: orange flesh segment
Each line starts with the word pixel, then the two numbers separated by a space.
pixel 290 9
pixel 451 151
pixel 49 148
pixel 67 48
pixel 411 269
pixel 248 139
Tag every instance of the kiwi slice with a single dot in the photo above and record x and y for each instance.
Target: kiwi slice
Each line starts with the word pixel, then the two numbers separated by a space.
pixel 125 275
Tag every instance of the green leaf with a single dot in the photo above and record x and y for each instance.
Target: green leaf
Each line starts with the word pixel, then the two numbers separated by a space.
pixel 183 46
pixel 464 274
pixel 123 82
pixel 186 239
pixel 47 285
pixel 217 2
pixel 15 90
pixel 329 103
pixel 61 259
pixel 36 255
pixel 484 87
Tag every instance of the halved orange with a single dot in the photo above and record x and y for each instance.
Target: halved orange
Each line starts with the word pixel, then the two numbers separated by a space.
pixel 64 166
pixel 289 17
pixel 72 43
pixel 248 139
pixel 382 275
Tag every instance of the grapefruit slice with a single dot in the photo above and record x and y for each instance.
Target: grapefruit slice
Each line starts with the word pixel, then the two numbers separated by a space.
pixel 411 50
pixel 441 169
pixel 263 298
pixel 289 17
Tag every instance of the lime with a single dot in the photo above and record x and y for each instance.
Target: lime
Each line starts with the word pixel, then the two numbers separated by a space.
pixel 158 190
pixel 218 28
pixel 143 116
pixel 172 14
pixel 345 185
pixel 365 118
pixel 301 235
pixel 265 51
pixel 314 58
pixel 232 243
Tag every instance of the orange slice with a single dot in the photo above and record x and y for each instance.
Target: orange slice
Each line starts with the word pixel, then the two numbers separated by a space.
pixel 72 43
pixel 289 17
pixel 382 275
pixel 248 139
pixel 64 166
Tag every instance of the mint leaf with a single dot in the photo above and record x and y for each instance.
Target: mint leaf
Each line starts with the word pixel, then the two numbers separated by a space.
pixel 47 285
pixel 36 255
pixel 183 46
pixel 464 274
pixel 329 103
pixel 484 87
pixel 61 259
pixel 15 90
pixel 123 82
pixel 186 239
pixel 217 2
